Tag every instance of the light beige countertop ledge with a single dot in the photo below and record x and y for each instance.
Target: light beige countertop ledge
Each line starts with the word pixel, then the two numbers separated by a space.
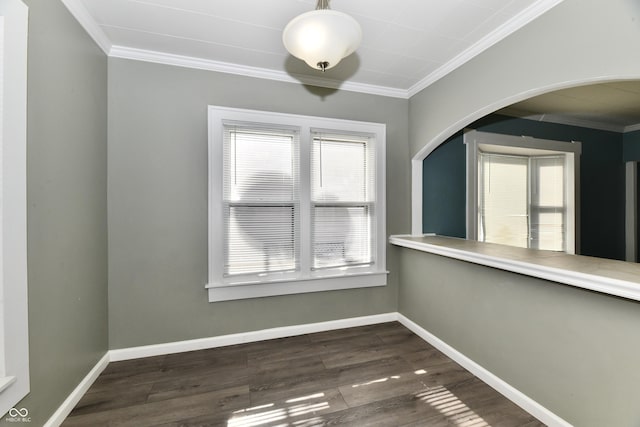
pixel 611 277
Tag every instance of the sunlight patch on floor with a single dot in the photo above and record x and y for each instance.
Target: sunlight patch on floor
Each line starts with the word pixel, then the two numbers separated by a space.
pixel 452 407
pixel 380 380
pixel 290 412
pixel 259 418
pixel 268 414
pixel 311 422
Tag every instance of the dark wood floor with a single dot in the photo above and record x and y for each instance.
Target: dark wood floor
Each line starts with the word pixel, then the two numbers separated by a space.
pixel 380 375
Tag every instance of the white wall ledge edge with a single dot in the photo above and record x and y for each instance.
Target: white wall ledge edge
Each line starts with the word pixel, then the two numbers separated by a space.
pixel 594 282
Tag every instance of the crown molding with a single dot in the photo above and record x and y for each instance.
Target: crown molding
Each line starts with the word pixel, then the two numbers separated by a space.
pixel 82 15
pixel 244 70
pixel 509 27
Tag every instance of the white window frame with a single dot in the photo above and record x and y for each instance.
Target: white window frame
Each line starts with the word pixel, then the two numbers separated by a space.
pixel 14 342
pixel 525 145
pixel 305 280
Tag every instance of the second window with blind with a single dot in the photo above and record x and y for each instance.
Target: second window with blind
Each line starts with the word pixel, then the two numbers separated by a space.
pixel 296 204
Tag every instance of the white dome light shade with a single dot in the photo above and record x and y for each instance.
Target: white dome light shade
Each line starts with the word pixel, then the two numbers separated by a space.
pixel 321 38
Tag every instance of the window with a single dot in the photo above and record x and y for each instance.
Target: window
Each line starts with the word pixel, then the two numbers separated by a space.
pixel 343 200
pixel 14 334
pixel 296 204
pixel 522 191
pixel 261 200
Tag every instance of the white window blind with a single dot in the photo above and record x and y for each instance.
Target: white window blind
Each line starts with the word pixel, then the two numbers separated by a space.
pixel 261 199
pixel 342 200
pixel 503 199
pixel 548 202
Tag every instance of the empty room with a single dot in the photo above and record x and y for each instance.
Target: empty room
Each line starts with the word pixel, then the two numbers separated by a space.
pixel 311 213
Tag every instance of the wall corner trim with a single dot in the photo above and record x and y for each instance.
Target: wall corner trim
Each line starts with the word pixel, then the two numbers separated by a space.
pixel 72 400
pixel 508 391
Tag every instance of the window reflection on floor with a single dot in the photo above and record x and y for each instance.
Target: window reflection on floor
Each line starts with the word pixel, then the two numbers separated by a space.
pixel 290 413
pixel 452 407
pixel 293 408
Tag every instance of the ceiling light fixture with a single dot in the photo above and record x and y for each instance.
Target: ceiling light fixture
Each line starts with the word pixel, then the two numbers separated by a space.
pixel 322 37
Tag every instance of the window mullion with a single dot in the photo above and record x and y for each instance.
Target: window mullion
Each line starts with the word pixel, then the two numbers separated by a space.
pixel 305 201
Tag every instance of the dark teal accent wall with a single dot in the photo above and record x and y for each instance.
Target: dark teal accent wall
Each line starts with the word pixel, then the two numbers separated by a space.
pixel 602 178
pixel 631 146
pixel 444 189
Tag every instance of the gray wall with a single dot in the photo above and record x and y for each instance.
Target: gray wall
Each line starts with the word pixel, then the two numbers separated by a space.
pixel 67 202
pixel 572 350
pixel 158 202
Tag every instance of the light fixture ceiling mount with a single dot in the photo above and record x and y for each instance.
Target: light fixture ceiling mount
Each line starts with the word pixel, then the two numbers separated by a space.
pixel 322 37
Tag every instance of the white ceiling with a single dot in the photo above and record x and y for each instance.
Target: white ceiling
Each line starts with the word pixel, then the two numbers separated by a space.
pixel 608 106
pixel 407 44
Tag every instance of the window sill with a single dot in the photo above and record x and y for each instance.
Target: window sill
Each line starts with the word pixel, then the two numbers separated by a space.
pixel 618 278
pixel 228 292
pixel 5 382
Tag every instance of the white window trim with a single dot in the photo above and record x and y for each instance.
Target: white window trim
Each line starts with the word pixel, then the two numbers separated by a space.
pixel 474 138
pixel 224 289
pixel 14 375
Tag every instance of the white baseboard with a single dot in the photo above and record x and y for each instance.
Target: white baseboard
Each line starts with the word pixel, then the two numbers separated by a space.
pixel 247 337
pixel 511 393
pixel 72 400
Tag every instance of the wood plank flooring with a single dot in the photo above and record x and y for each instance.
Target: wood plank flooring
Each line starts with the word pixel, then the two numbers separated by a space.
pixel 379 375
